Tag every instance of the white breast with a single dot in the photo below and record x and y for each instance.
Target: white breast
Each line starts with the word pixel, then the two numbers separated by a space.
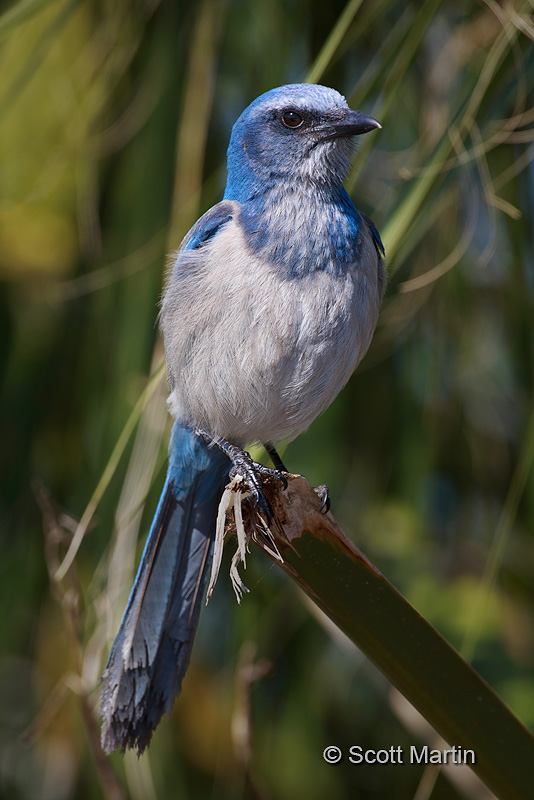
pixel 256 356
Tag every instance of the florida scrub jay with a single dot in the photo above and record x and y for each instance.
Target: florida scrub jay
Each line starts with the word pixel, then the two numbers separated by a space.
pixel 270 306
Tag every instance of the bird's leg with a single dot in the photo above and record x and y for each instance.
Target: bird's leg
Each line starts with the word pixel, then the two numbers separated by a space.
pixel 249 470
pixel 275 458
pixel 320 491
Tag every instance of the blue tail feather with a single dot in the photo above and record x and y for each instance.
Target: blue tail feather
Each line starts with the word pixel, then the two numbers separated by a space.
pixel 151 651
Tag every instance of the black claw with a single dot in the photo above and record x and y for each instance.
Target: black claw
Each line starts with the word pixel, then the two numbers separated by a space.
pixel 324 497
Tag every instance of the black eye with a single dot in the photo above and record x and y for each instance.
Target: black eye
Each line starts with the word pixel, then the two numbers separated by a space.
pixel 291 119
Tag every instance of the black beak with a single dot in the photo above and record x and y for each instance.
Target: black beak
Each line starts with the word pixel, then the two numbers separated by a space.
pixel 353 124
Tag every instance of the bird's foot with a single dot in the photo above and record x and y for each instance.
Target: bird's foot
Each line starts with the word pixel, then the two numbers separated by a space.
pixel 251 472
pixel 245 475
pixel 324 497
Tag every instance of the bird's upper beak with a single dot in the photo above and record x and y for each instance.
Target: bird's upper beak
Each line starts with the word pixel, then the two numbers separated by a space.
pixel 353 123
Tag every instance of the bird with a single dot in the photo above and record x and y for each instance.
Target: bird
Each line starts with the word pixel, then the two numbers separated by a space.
pixel 270 304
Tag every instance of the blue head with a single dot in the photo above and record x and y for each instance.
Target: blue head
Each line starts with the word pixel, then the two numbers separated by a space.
pixel 299 132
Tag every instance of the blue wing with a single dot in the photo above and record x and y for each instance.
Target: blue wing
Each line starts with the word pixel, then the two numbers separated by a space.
pixel 208 225
pixel 374 233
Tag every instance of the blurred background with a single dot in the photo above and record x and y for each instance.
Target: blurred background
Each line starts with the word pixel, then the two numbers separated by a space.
pixel 114 121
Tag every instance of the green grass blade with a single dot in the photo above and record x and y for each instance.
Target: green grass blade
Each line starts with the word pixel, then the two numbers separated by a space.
pixel 108 473
pixel 20 13
pixel 332 43
pixel 443 687
pixel 500 541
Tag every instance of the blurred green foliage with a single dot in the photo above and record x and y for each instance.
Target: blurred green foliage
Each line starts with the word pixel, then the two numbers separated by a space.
pixel 114 120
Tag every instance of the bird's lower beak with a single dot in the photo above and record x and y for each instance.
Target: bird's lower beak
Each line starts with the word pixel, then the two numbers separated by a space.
pixel 353 124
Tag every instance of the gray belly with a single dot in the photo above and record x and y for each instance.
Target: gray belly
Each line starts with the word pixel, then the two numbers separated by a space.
pixel 255 357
